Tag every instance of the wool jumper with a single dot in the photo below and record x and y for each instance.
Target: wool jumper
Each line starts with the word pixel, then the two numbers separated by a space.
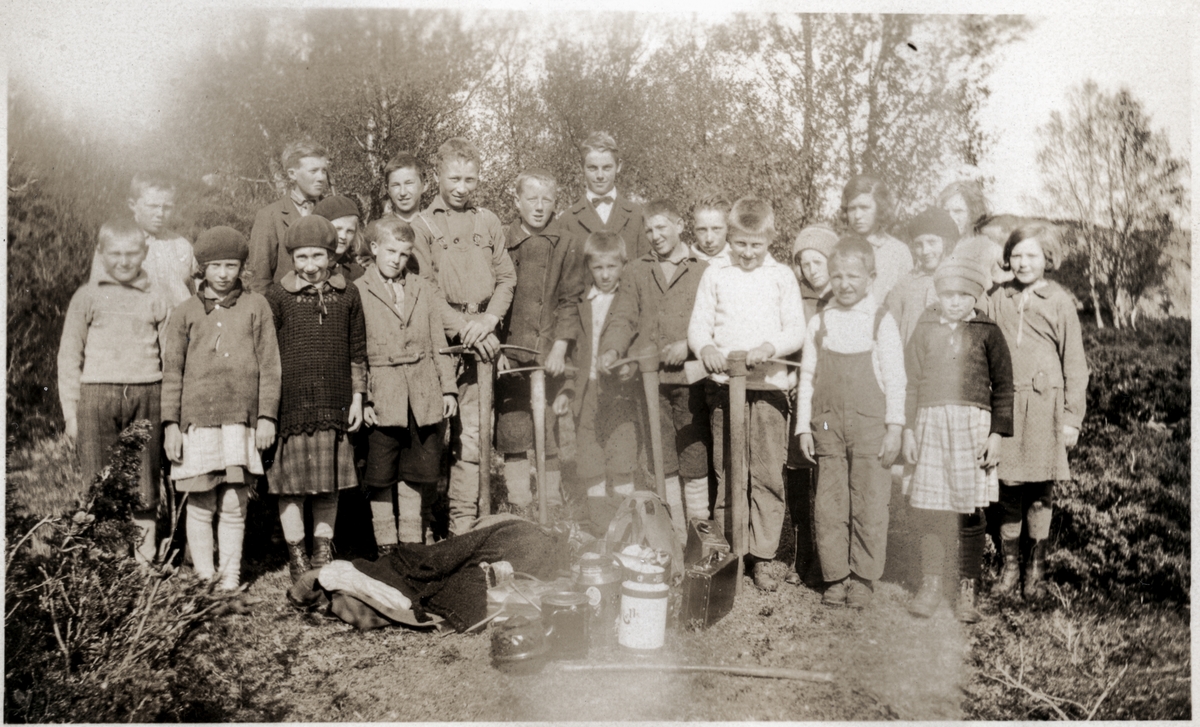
pixel 321 333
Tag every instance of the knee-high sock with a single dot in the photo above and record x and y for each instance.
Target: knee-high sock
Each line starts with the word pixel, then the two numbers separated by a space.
pixel 200 509
pixel 972 533
pixel 383 518
pixel 516 479
pixel 933 554
pixel 695 498
pixel 291 517
pixel 409 498
pixel 324 510
pixel 231 531
pixel 147 545
pixel 554 493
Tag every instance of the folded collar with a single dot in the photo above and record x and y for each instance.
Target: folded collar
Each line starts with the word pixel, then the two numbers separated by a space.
pixel 293 283
pixel 141 282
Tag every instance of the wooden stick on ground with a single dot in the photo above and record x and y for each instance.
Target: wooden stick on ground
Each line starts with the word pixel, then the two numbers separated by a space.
pixel 764 672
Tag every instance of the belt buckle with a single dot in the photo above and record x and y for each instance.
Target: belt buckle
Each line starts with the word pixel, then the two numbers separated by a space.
pixel 472 308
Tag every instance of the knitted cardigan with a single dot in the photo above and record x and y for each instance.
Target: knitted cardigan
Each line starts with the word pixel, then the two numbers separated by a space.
pixel 968 365
pixel 322 353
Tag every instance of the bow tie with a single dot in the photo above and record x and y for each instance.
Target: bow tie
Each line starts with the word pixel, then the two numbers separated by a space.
pixel 597 201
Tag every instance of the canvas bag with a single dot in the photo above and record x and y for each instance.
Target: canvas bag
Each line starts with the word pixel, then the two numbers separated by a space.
pixel 642 519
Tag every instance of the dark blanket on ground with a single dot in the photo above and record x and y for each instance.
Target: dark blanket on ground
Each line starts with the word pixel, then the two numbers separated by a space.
pixel 445 578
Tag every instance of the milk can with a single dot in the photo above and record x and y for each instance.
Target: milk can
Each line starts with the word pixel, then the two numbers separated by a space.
pixel 598 577
pixel 643 623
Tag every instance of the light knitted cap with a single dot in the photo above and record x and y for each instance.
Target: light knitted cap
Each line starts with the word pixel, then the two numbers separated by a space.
pixel 220 243
pixel 311 231
pixel 336 207
pixel 821 238
pixel 961 275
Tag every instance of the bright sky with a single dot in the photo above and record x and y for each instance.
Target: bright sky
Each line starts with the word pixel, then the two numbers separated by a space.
pixel 116 61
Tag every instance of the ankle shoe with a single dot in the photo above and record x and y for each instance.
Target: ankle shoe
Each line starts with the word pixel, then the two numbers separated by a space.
pixel 763 580
pixel 858 593
pixel 793 578
pixel 1010 574
pixel 322 552
pixel 298 563
pixel 964 608
pixel 835 594
pixel 1035 571
pixel 928 597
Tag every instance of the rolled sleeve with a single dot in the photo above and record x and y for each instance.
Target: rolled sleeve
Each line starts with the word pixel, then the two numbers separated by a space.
pixel 889 355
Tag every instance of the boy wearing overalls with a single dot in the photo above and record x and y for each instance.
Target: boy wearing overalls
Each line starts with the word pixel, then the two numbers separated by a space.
pixel 850 412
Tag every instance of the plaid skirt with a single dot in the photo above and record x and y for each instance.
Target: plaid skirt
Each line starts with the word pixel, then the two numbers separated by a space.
pixel 947 475
pixel 313 464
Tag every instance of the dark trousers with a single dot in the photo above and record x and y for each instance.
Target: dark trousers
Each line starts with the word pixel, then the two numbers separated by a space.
pixel 104 412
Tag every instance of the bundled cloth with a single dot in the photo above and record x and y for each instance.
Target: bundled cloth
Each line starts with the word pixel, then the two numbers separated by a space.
pixel 438 582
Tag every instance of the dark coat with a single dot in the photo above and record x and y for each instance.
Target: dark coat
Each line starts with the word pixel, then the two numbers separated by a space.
pixel 536 318
pixel 269 260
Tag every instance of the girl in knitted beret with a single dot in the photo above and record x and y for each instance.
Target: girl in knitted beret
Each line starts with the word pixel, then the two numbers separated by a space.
pixel 220 397
pixel 1050 376
pixel 932 236
pixel 958 405
pixel 342 213
pixel 323 354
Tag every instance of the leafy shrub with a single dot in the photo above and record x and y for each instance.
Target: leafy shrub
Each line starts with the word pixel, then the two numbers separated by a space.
pixel 91 636
pixel 1123 525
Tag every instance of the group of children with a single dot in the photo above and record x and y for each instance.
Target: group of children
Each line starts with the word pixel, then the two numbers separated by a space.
pixel 857 359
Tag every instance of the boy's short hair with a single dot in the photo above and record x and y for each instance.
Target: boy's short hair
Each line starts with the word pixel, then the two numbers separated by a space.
pixel 885 201
pixel 599 141
pixel 456 149
pixel 664 207
pixel 394 227
pixel 119 229
pixel 604 243
pixel 149 180
pixel 854 246
pixel 715 201
pixel 752 217
pixel 545 176
pixel 301 149
pixel 403 160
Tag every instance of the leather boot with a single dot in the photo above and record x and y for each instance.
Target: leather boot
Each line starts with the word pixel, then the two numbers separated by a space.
pixel 928 597
pixel 298 563
pixel 322 552
pixel 1035 571
pixel 964 608
pixel 1010 574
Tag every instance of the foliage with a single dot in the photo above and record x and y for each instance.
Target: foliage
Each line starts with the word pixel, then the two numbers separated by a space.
pixel 1123 524
pixel 90 636
pixel 1103 165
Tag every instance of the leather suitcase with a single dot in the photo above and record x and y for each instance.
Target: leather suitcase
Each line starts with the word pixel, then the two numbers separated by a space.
pixel 704 538
pixel 708 590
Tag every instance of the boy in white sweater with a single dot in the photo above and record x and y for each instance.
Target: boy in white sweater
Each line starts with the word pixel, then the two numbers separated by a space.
pixel 752 305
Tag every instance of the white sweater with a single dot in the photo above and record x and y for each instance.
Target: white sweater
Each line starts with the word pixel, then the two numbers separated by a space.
pixel 737 310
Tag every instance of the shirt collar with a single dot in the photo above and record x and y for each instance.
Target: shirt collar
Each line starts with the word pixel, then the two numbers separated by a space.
pixel 293 283
pixel 1042 291
pixel 141 282
pixel 594 292
pixel 592 195
pixel 302 203
pixel 866 305
pixel 439 205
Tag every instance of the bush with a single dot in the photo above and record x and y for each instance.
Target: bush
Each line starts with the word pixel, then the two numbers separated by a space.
pixel 91 636
pixel 1123 524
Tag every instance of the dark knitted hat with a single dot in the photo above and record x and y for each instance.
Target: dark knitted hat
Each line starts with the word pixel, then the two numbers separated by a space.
pixel 220 243
pixel 934 221
pixel 336 207
pixel 961 275
pixel 311 231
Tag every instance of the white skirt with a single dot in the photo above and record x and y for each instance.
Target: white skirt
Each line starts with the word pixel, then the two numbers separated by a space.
pixel 215 449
